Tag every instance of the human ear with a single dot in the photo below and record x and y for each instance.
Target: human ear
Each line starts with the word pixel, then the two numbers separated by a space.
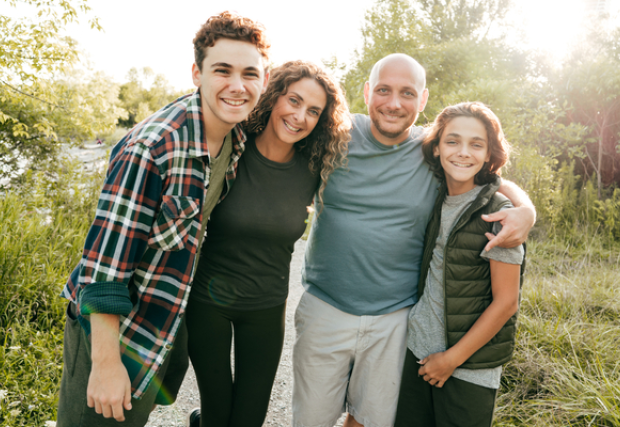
pixel 196 74
pixel 423 100
pixel 265 82
pixel 436 151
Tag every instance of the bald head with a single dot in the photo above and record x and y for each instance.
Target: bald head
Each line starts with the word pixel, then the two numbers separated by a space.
pixel 402 61
pixel 395 94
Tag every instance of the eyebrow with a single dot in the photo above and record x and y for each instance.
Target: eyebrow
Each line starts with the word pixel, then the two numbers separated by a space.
pixel 302 98
pixel 226 65
pixel 477 138
pixel 406 88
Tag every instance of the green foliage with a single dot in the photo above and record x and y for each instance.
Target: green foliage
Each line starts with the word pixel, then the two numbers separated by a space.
pixel 43 227
pixel 589 84
pixel 140 102
pixel 566 363
pixel 43 101
pixel 461 61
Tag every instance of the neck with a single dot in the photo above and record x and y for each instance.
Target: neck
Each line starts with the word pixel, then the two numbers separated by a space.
pixel 269 148
pixel 457 188
pixel 214 131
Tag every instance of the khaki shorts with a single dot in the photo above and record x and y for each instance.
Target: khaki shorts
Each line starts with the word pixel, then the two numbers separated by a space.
pixel 344 362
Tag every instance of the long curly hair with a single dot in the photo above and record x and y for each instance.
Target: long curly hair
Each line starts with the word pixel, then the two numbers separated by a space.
pixel 499 148
pixel 326 146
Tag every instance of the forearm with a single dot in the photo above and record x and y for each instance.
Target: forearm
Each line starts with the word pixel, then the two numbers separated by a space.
pixel 486 327
pixel 109 386
pixel 105 345
pixel 518 198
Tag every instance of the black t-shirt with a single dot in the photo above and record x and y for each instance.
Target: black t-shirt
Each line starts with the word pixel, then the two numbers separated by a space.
pixel 245 258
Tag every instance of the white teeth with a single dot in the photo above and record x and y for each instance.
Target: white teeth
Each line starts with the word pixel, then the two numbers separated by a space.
pixel 233 102
pixel 291 128
pixel 461 165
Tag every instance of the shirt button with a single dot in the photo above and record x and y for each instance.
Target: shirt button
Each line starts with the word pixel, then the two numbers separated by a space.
pixel 181 315
pixel 168 346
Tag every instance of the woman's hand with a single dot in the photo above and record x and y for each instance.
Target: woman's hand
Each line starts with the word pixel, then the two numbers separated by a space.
pixel 437 368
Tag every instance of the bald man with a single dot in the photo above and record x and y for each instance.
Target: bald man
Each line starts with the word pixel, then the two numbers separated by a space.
pixel 363 258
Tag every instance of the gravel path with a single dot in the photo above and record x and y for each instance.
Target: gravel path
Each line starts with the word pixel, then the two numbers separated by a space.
pixel 279 414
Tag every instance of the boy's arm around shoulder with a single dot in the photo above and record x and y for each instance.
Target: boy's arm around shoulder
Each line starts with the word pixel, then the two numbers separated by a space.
pixel 516 222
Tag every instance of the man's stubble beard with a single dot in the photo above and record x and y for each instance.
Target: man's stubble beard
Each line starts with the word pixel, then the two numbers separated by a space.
pixel 376 122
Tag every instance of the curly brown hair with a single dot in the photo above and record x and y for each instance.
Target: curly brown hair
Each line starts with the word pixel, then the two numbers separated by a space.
pixel 229 25
pixel 499 148
pixel 326 146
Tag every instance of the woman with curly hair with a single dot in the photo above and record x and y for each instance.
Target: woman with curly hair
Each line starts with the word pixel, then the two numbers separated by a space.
pixel 297 135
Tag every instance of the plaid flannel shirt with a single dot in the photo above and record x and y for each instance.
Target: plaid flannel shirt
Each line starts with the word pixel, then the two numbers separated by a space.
pixel 139 255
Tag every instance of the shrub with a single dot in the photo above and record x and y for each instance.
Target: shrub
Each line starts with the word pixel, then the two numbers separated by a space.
pixel 43 225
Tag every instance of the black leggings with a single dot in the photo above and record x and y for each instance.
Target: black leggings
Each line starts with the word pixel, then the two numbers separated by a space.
pixel 259 336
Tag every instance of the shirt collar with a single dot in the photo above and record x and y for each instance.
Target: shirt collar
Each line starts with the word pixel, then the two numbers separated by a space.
pixel 197 143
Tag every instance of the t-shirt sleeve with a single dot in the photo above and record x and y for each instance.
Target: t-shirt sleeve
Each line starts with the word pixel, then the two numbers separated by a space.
pixel 506 255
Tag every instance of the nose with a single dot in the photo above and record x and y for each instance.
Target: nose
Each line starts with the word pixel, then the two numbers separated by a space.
pixel 393 103
pixel 236 84
pixel 464 151
pixel 299 115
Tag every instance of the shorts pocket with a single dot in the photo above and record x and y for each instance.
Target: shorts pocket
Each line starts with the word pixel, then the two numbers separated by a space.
pixel 177 221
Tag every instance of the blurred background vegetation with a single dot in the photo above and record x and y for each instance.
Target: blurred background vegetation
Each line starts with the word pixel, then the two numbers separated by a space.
pixel 562 117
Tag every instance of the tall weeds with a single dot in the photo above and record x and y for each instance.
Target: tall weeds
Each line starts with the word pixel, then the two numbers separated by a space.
pixel 43 226
pixel 566 369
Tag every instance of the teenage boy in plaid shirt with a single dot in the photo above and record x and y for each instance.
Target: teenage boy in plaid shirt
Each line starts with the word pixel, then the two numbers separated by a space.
pixel 133 281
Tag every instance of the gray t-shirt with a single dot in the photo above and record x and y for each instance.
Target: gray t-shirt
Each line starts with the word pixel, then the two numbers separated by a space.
pixel 364 251
pixel 426 332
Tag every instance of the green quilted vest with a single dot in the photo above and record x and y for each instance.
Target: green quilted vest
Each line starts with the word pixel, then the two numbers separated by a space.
pixel 467 276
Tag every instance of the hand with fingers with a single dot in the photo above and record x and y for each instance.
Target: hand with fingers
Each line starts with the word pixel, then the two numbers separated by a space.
pixel 109 390
pixel 437 368
pixel 516 225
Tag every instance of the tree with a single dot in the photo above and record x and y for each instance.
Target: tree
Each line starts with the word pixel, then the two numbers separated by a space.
pixel 589 85
pixel 41 101
pixel 144 93
pixel 462 61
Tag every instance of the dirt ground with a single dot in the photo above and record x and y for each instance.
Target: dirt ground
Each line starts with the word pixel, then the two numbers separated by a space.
pixel 279 414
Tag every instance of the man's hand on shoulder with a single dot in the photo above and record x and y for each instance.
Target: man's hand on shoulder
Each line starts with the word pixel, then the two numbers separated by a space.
pixel 109 387
pixel 516 225
pixel 516 222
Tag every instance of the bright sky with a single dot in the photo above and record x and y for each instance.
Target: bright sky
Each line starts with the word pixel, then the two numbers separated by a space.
pixel 159 34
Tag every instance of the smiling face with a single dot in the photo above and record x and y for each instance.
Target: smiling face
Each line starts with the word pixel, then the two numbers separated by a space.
pixel 296 113
pixel 231 80
pixel 395 94
pixel 463 149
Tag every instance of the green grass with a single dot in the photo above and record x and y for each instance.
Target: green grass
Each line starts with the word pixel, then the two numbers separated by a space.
pixel 43 229
pixel 566 369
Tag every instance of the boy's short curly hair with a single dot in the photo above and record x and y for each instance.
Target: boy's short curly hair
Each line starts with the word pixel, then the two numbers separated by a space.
pixel 229 25
pixel 498 146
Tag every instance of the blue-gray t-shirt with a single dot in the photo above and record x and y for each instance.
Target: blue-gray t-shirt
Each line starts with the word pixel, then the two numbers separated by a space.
pixel 365 248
